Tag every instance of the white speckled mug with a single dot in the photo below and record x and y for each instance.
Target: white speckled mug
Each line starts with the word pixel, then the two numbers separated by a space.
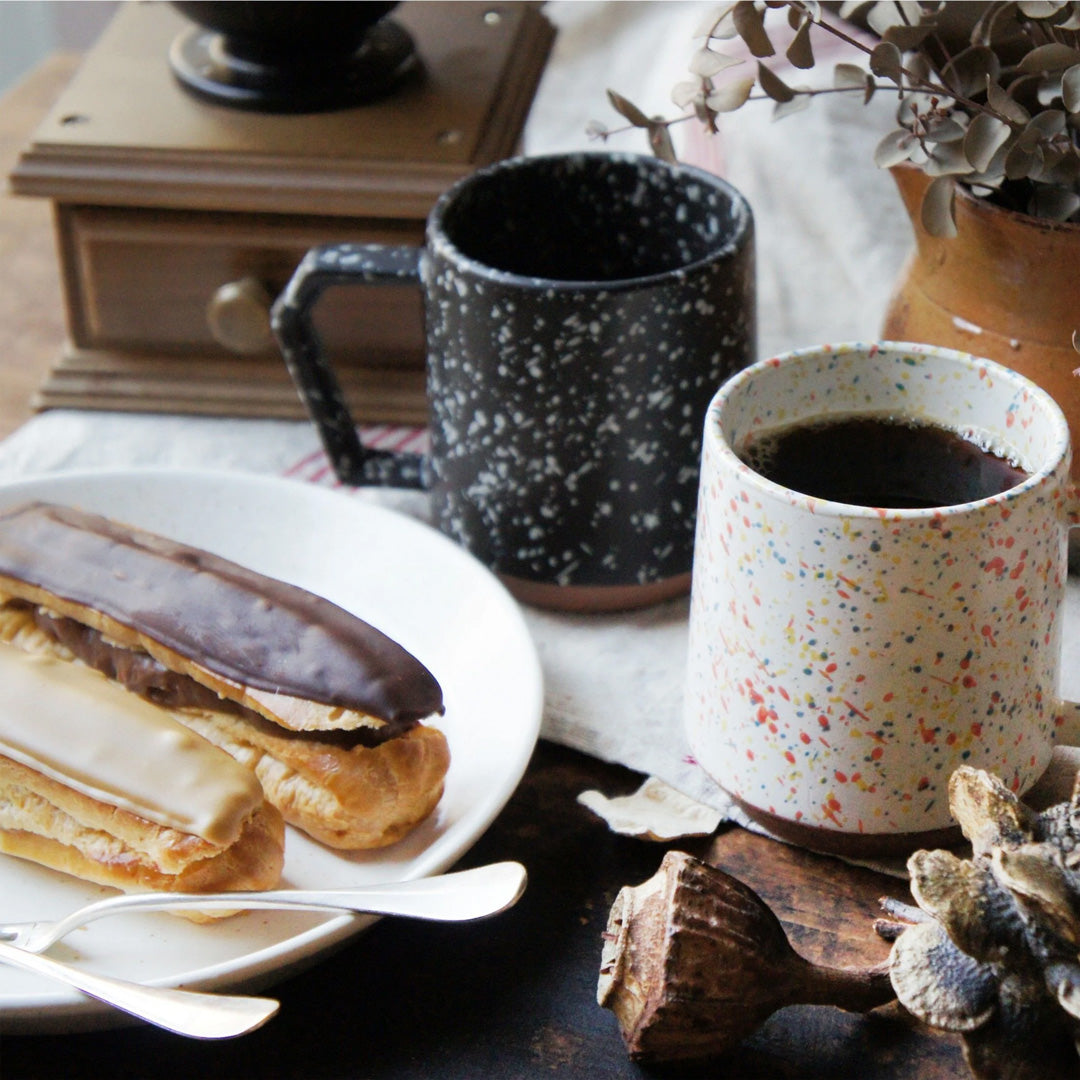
pixel 846 658
pixel 580 311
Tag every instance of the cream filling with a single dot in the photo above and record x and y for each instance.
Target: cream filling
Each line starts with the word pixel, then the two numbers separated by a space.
pixel 74 725
pixel 23 810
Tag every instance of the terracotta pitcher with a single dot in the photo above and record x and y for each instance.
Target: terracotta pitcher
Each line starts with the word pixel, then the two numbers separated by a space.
pixel 1007 287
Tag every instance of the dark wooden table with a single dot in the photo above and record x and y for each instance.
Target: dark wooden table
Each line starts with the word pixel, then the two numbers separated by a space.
pixel 511 997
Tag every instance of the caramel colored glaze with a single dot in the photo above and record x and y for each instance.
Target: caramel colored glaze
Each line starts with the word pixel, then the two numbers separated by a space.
pixel 244 626
pixel 86 732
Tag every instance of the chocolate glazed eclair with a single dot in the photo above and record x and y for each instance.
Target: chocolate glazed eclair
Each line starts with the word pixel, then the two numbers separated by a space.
pixel 323 707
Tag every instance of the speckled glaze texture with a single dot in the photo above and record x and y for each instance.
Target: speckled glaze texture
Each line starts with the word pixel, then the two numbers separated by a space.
pixel 581 312
pixel 845 660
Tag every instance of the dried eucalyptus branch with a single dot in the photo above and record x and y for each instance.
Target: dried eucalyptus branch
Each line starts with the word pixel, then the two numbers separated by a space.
pixel 988 95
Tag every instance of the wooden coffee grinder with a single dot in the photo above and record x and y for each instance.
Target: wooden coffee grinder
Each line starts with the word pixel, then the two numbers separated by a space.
pixel 196 156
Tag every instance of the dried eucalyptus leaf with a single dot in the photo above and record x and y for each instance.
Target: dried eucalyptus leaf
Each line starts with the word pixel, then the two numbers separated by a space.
pixel 894 148
pixel 849 77
pixel 1052 57
pixel 1004 104
pixel 1048 88
pixel 801 52
pixel 948 159
pixel 628 110
pixel 1030 139
pixel 708 62
pixel 886 62
pixel 750 23
pixel 985 136
pixel 906 38
pixel 1070 88
pixel 968 72
pixel 1039 9
pixel 918 67
pixel 937 208
pixel 785 108
pixel 936 982
pixel 687 93
pixel 660 142
pixel 1021 162
pixel 883 15
pixel 945 129
pixel 772 85
pixel 730 96
pixel 1048 122
pixel 717 23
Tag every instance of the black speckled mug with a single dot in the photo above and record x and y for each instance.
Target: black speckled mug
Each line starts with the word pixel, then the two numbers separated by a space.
pixel 581 310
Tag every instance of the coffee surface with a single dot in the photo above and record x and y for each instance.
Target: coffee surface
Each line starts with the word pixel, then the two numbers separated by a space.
pixel 881 462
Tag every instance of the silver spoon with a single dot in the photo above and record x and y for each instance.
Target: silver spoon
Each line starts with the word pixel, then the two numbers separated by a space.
pixel 457 897
pixel 185 1012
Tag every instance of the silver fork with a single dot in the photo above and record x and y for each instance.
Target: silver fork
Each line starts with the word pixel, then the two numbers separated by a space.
pixel 458 897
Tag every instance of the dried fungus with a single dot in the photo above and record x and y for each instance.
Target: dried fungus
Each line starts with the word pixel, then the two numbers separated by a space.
pixel 998 961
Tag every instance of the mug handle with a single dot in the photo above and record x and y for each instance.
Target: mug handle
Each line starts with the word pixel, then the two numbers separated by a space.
pixel 309 366
pixel 1067 717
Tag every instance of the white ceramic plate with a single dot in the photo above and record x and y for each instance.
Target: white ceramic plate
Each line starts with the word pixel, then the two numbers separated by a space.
pixel 398 574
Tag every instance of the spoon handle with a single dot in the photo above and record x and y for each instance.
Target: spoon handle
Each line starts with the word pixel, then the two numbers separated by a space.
pixel 462 896
pixel 185 1012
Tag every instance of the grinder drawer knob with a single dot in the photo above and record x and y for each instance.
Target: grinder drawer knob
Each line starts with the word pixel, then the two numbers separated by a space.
pixel 239 316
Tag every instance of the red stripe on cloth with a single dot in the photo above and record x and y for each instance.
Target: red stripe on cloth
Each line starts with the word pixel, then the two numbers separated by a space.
pixel 315 468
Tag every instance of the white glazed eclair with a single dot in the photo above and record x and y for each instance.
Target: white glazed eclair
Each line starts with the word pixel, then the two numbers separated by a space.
pixel 99 783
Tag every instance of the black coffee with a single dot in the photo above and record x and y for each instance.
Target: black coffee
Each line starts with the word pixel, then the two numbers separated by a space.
pixel 883 462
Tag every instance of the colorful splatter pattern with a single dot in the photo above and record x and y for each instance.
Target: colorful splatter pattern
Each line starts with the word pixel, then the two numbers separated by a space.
pixel 844 660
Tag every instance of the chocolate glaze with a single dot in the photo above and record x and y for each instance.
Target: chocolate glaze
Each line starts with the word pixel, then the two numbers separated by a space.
pixel 240 624
pixel 145 676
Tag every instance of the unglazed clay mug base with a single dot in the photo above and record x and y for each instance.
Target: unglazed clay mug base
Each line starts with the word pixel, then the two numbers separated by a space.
pixel 844 660
pixel 580 312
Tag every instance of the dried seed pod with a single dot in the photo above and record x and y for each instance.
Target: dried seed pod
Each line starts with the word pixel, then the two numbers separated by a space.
pixel 1023 1040
pixel 694 962
pixel 1042 888
pixel 1060 826
pixel 988 813
pixel 940 984
pixel 976 911
pixel 998 962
